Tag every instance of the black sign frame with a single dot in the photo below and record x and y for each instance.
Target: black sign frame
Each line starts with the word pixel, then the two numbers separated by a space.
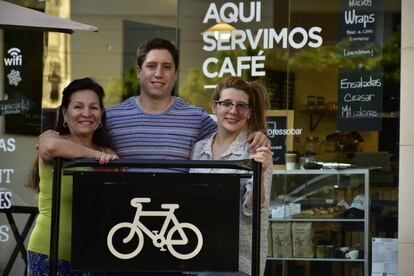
pixel 247 165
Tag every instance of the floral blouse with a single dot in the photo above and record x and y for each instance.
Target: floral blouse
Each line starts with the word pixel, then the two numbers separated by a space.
pixel 238 150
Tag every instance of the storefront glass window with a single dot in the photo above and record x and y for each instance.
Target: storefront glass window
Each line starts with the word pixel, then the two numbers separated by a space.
pixel 332 73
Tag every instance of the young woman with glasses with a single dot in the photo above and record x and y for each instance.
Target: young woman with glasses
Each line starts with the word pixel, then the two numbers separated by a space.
pixel 240 109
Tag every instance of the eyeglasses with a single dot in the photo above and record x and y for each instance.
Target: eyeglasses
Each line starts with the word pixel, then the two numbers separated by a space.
pixel 241 108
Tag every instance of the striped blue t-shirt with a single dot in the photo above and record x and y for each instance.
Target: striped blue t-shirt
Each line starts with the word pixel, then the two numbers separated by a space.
pixel 167 135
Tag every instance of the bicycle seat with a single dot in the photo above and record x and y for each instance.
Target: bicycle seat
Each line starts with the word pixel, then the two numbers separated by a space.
pixel 170 206
pixel 137 200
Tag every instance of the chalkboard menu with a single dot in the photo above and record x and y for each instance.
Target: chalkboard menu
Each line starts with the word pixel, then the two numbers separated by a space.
pixel 359 100
pixel 361 29
pixel 360 89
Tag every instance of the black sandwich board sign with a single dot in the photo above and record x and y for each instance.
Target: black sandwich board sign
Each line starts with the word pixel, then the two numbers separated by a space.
pixel 120 216
pixel 155 222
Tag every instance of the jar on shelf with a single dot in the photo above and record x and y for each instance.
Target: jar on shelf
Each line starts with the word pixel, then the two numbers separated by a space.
pixel 320 103
pixel 297 145
pixel 311 146
pixel 311 103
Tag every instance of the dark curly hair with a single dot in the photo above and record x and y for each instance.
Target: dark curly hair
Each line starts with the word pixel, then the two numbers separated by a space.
pixel 99 138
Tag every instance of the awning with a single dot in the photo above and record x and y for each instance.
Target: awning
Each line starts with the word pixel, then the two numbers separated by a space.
pixel 17 17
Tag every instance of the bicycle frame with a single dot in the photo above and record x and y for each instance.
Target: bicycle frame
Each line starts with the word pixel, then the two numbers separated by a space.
pixel 169 217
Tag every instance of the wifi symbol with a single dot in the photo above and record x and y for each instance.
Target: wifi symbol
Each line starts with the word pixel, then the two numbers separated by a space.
pixel 14 51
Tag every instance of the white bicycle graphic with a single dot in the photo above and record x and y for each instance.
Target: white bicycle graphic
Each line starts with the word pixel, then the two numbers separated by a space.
pixel 158 239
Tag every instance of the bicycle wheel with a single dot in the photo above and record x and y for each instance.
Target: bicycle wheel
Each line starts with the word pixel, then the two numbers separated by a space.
pixel 132 230
pixel 186 227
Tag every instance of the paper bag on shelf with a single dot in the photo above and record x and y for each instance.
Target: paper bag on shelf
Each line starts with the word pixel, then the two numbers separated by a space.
pixel 302 235
pixel 282 239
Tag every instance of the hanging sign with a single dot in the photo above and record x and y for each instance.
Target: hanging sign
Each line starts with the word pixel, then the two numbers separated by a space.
pixel 361 28
pixel 23 77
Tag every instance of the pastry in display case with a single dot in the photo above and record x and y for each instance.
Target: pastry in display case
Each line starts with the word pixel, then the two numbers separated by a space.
pixel 321 212
pixel 319 220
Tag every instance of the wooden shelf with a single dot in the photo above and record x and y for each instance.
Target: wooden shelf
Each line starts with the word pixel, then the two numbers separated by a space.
pixel 317 259
pixel 316 220
pixel 320 113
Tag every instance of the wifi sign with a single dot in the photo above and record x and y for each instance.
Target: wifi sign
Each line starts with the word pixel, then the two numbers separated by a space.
pixel 15 58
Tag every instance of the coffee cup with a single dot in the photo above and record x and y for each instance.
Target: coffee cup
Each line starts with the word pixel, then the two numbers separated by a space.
pixel 290 158
pixel 353 254
pixel 320 251
pixel 329 251
pixel 344 249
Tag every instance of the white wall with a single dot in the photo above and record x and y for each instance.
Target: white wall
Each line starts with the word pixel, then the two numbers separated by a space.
pixel 101 54
pixel 406 193
pixel 21 161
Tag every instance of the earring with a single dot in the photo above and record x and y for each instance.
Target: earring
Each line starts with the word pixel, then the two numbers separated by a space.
pixel 100 125
pixel 65 124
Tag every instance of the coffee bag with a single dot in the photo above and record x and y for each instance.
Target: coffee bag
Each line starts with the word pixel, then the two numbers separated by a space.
pixel 302 235
pixel 282 239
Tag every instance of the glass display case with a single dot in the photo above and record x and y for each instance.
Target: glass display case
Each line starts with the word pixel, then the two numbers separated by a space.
pixel 319 222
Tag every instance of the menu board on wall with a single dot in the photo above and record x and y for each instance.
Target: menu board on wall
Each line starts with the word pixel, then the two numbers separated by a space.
pixel 359 100
pixel 23 76
pixel 360 89
pixel 361 28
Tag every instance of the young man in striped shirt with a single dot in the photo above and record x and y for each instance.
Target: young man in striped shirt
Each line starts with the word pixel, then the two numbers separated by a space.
pixel 156 124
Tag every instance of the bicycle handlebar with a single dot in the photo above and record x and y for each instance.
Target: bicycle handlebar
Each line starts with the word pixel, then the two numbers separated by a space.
pixel 137 200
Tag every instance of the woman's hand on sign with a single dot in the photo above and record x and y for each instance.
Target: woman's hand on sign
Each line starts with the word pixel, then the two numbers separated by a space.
pixel 263 155
pixel 105 156
pixel 256 140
